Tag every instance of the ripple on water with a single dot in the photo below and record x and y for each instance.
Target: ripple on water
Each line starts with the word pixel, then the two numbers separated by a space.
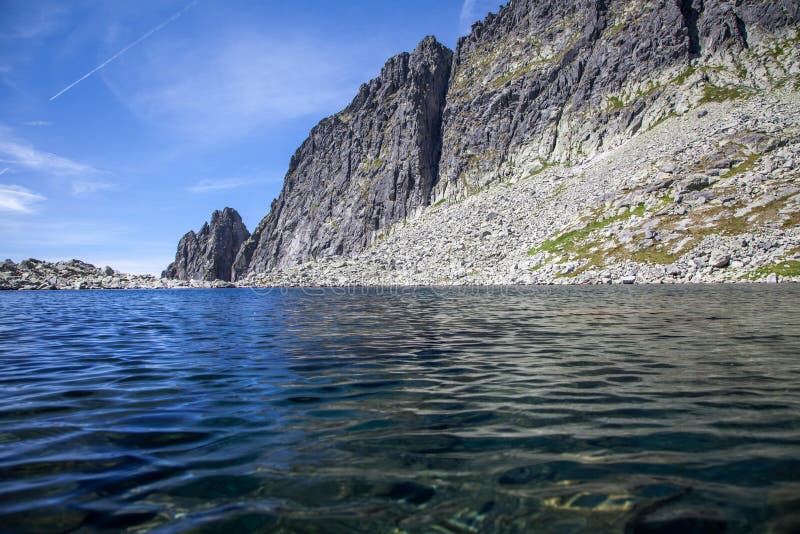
pixel 636 410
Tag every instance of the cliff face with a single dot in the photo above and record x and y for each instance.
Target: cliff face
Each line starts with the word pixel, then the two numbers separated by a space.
pixel 538 85
pixel 209 254
pixel 366 167
pixel 562 81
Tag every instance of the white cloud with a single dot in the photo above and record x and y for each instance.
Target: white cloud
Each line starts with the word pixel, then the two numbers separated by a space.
pixel 18 199
pixel 210 186
pixel 85 188
pixel 23 26
pixel 474 10
pixel 37 124
pixel 232 83
pixel 26 155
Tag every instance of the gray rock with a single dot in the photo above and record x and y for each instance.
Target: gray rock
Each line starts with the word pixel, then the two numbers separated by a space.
pixel 674 270
pixel 720 260
pixel 552 78
pixel 209 254
pixel 696 183
pixel 667 167
pixel 370 165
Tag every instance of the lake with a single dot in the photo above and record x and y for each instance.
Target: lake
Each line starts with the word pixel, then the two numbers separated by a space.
pixel 562 409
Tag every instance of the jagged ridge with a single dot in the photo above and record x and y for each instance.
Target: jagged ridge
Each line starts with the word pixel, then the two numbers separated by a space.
pixel 536 84
pixel 361 170
pixel 209 254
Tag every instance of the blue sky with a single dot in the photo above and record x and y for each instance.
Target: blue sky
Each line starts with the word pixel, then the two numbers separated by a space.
pixel 180 108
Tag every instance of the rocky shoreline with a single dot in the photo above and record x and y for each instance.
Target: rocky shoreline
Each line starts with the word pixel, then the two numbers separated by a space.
pixel 536 165
pixel 37 275
pixel 33 274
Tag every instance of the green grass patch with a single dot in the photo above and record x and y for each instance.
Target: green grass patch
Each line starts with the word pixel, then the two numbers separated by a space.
pixel 654 255
pixel 374 164
pixel 545 165
pixel 652 87
pixel 439 202
pixel 681 78
pixel 794 79
pixel 568 241
pixel 793 220
pixel 560 189
pixel 786 269
pixel 745 166
pixel 728 226
pixel 615 103
pixel 670 115
pixel 776 52
pixel 513 75
pixel 712 93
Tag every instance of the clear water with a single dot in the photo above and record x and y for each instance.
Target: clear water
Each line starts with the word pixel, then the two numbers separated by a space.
pixel 646 409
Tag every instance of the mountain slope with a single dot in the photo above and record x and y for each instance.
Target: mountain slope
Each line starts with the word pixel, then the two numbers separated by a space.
pixel 535 94
pixel 546 82
pixel 366 167
pixel 710 196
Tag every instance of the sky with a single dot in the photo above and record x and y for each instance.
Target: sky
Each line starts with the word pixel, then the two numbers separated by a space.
pixel 123 125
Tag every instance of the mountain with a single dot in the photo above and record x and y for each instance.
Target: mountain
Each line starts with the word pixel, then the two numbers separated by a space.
pixel 577 141
pixel 371 165
pixel 210 253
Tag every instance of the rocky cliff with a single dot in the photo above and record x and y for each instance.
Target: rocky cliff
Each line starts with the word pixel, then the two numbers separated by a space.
pixel 558 82
pixel 361 170
pixel 210 253
pixel 535 93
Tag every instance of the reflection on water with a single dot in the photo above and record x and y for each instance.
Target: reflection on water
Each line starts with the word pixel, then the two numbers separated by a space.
pixel 548 409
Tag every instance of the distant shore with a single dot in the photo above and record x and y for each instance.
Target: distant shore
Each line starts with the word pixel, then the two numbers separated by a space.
pixel 38 275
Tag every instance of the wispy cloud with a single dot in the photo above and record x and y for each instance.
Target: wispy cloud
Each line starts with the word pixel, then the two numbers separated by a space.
pixel 210 186
pixel 473 11
pixel 15 152
pixel 18 199
pixel 29 20
pixel 45 233
pixel 37 124
pixel 147 35
pixel 235 81
pixel 84 188
pixel 23 27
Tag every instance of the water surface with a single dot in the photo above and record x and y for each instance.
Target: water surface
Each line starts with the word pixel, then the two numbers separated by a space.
pixel 643 409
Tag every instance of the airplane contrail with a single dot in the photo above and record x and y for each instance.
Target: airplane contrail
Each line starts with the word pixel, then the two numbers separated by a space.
pixel 4 171
pixel 161 26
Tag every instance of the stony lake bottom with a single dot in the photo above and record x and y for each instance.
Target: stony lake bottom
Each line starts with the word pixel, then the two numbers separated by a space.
pixel 563 409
